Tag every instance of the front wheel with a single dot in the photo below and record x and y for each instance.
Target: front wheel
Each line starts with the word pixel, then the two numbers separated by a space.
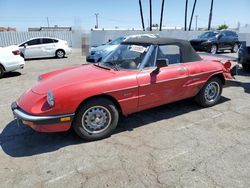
pixel 210 94
pixel 214 49
pixel 235 48
pixel 96 119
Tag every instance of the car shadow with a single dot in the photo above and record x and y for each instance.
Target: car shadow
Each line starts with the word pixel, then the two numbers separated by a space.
pixel 44 58
pixel 11 74
pixel 18 140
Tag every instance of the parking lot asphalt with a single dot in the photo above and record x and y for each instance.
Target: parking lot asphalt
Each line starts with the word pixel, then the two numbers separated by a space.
pixel 175 145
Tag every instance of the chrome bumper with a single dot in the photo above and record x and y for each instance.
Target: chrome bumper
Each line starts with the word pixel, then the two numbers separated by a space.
pixel 40 120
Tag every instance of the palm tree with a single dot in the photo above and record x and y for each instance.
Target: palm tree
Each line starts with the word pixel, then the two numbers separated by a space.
pixel 185 24
pixel 162 7
pixel 210 15
pixel 142 20
pixel 191 19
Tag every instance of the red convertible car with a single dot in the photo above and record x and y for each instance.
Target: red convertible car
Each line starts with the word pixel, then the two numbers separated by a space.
pixel 140 74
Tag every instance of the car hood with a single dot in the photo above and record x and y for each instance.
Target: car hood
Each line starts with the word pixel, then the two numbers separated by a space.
pixel 71 76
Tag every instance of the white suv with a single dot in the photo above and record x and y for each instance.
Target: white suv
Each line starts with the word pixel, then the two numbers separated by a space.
pixel 44 47
pixel 10 59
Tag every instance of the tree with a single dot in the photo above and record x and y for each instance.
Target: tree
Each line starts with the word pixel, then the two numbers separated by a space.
pixel 222 26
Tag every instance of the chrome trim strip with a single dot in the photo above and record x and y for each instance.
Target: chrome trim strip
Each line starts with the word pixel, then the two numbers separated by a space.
pixel 19 114
pixel 217 71
pixel 132 87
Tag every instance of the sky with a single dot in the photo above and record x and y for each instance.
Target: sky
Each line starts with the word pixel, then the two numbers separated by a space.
pixel 117 13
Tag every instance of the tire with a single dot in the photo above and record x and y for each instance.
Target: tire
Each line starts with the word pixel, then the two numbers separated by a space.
pixel 1 71
pixel 235 48
pixel 210 94
pixel 214 49
pixel 96 119
pixel 60 54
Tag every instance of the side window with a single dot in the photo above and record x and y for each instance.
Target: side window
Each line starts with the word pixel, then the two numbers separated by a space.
pixel 47 41
pixel 33 42
pixel 170 52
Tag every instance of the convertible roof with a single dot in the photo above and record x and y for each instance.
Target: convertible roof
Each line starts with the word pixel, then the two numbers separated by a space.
pixel 187 52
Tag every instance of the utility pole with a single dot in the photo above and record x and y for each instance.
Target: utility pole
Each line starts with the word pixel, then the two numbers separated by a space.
pixel 191 19
pixel 48 21
pixel 142 20
pixel 196 19
pixel 185 24
pixel 210 15
pixel 96 18
pixel 150 18
pixel 162 8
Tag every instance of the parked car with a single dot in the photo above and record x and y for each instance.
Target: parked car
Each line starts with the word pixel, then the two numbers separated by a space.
pixel 244 56
pixel 44 47
pixel 214 41
pixel 139 74
pixel 96 54
pixel 10 60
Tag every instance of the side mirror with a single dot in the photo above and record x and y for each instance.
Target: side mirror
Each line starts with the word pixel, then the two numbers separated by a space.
pixel 159 64
pixel 25 45
pixel 219 36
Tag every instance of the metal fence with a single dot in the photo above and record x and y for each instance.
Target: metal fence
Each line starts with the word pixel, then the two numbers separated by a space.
pixel 17 37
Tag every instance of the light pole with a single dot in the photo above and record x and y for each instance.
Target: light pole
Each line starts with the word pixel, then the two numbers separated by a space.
pixel 196 19
pixel 96 17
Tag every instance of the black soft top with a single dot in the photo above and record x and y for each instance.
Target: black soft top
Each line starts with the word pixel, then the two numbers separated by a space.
pixel 187 52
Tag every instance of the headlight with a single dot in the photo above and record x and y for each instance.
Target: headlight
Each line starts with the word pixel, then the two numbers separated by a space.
pixel 51 98
pixel 100 52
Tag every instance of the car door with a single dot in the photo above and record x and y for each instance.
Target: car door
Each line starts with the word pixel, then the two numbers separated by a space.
pixel 222 41
pixel 168 84
pixel 32 48
pixel 47 47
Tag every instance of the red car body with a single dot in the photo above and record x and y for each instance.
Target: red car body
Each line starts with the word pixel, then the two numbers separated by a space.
pixel 130 90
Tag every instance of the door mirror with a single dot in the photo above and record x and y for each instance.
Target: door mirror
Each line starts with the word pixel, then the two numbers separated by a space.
pixel 219 36
pixel 162 63
pixel 159 64
pixel 25 45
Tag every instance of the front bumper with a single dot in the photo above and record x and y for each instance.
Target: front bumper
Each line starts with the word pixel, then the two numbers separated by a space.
pixel 94 58
pixel 55 123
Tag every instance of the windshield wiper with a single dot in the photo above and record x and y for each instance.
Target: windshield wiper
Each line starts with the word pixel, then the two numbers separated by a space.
pixel 114 65
pixel 99 65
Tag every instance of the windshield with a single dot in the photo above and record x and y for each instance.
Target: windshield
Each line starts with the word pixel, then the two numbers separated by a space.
pixel 117 41
pixel 125 56
pixel 208 35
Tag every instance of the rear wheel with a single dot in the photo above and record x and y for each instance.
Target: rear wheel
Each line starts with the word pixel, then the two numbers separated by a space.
pixel 210 94
pixel 1 71
pixel 96 119
pixel 214 49
pixel 60 53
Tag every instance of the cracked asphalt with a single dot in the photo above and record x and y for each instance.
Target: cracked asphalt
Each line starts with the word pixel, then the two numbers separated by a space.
pixel 175 145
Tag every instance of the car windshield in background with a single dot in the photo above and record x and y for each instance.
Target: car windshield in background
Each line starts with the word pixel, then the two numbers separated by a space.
pixel 127 57
pixel 208 35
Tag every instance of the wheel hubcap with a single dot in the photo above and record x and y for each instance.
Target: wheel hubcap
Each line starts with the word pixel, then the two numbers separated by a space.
pixel 212 91
pixel 96 119
pixel 235 48
pixel 213 49
pixel 60 54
